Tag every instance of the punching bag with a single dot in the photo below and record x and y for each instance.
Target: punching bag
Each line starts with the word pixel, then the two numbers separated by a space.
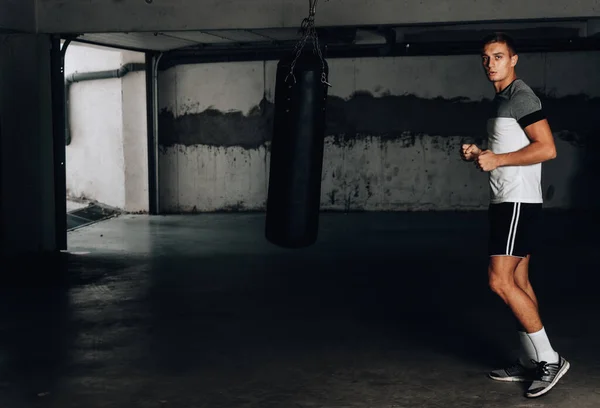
pixel 294 191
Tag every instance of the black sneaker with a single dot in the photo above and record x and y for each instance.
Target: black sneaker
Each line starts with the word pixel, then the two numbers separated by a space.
pixel 547 376
pixel 514 373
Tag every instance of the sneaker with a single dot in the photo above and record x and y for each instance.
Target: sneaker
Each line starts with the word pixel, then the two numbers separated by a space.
pixel 547 376
pixel 516 372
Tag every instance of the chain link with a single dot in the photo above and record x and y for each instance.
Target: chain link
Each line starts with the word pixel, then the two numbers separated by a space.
pixel 309 31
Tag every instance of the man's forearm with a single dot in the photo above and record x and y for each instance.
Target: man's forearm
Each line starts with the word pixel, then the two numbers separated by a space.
pixel 532 154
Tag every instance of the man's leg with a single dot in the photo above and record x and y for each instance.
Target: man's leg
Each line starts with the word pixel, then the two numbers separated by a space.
pixel 513 232
pixel 501 273
pixel 522 279
pixel 528 353
pixel 503 281
pixel 539 339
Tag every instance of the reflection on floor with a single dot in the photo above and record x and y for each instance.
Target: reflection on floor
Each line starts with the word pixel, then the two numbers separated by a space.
pixel 386 310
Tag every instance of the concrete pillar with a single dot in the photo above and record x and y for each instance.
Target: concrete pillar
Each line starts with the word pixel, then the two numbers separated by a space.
pixel 17 15
pixel 27 206
pixel 135 136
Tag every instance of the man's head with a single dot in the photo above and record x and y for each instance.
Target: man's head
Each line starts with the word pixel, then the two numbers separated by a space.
pixel 499 57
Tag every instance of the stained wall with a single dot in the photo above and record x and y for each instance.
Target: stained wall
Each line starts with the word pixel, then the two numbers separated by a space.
pixel 394 127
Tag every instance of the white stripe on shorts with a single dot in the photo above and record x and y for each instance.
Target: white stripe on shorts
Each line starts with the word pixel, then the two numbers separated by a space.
pixel 512 232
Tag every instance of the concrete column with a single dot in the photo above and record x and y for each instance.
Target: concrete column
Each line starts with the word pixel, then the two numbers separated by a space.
pixel 27 209
pixel 17 15
pixel 135 136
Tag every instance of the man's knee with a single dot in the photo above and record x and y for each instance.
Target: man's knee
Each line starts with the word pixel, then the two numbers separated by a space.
pixel 498 283
pixel 501 278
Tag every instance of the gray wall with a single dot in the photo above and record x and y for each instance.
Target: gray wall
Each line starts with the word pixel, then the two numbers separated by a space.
pixel 394 126
pixel 138 15
pixel 26 165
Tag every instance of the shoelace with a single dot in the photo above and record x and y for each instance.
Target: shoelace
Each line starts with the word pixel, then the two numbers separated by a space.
pixel 545 370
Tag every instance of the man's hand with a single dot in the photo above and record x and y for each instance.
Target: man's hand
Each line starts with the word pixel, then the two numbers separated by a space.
pixel 487 161
pixel 469 152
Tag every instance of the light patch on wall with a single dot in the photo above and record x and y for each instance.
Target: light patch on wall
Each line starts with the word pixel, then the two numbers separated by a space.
pixel 365 174
pixel 222 87
pixel 202 178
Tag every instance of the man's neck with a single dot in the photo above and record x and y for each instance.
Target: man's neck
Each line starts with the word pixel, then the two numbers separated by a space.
pixel 501 85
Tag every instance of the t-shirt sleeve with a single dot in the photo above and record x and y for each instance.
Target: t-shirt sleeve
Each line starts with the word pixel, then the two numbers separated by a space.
pixel 526 108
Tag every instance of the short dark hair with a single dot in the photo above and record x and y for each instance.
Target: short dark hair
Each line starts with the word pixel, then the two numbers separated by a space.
pixel 500 37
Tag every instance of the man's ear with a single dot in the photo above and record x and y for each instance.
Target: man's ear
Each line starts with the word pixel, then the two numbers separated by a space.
pixel 513 60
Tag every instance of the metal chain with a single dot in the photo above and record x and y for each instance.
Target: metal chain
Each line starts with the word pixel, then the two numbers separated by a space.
pixel 309 31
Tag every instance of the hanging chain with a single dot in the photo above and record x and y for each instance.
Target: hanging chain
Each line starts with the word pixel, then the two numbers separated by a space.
pixel 309 30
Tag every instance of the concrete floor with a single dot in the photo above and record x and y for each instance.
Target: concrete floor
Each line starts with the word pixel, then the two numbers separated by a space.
pixel 386 310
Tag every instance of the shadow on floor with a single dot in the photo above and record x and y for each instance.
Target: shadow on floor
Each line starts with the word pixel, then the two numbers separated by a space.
pixel 380 312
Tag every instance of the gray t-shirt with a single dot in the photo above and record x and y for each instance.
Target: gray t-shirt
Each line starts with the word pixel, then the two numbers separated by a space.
pixel 514 108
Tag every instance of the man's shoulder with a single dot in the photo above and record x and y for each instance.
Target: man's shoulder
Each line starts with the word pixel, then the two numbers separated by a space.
pixel 523 99
pixel 520 89
pixel 525 105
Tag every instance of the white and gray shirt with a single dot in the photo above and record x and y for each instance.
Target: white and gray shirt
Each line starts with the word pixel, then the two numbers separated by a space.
pixel 514 108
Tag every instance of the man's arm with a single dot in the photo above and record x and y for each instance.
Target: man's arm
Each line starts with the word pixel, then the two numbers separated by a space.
pixel 527 111
pixel 541 149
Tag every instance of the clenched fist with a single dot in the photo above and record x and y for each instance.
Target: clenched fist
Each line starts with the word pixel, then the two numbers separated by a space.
pixel 487 161
pixel 469 152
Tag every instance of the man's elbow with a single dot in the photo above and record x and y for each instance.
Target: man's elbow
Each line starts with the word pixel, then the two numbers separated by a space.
pixel 551 153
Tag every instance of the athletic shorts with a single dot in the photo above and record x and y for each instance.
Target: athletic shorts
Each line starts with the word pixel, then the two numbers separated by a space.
pixel 514 228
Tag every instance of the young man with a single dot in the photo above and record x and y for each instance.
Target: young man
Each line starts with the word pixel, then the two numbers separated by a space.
pixel 519 141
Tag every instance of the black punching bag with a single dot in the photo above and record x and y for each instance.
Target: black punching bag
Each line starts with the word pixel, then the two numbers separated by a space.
pixel 294 193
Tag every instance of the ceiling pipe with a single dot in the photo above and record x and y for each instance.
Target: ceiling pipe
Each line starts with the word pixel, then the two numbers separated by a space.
pixel 90 76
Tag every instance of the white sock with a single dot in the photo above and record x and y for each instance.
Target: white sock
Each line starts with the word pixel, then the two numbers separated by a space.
pixel 542 347
pixel 527 352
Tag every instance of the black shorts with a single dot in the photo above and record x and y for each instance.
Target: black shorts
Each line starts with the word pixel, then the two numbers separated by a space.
pixel 514 229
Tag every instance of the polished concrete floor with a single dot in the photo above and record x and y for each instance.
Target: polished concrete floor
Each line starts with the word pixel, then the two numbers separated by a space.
pixel 386 310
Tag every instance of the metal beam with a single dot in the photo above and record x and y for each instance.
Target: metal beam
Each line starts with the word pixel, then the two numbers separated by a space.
pixel 152 60
pixel 91 76
pixel 57 72
pixel 254 53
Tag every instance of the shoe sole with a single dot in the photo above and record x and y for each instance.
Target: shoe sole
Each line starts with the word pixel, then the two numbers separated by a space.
pixel 509 379
pixel 560 374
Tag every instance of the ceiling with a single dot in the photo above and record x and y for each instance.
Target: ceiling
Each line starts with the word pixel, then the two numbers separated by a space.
pixel 364 35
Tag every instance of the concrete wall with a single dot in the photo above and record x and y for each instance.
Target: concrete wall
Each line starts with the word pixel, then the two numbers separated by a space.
pixel 27 217
pixel 107 157
pixel 136 15
pixel 394 126
pixel 18 15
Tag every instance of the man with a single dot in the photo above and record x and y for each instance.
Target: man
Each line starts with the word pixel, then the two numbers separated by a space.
pixel 519 141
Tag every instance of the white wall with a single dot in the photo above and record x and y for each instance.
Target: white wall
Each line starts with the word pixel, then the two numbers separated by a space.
pixel 107 156
pixel 417 171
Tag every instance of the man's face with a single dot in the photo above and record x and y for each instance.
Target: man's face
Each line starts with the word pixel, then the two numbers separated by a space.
pixel 497 61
